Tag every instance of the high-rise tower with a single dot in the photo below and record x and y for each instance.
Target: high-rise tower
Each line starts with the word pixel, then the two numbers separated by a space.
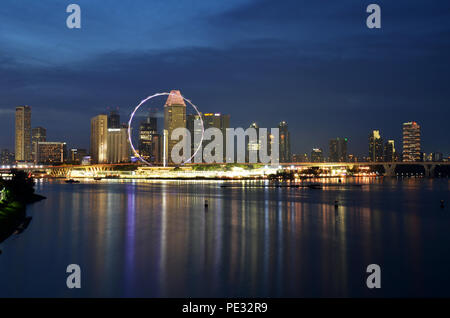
pixel 113 119
pixel 38 134
pixel 285 142
pixel 174 117
pixel 149 140
pixel 411 141
pixel 389 151
pixel 375 146
pixel 338 150
pixel 99 139
pixel 23 133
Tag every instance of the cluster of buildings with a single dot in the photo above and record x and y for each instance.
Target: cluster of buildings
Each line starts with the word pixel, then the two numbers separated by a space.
pixel 109 143
pixel 379 150
pixel 31 144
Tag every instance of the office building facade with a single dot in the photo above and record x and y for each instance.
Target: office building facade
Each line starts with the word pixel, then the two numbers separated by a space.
pixel 23 134
pixel 38 134
pixel 411 142
pixel 390 154
pixel 210 120
pixel 99 139
pixel 149 140
pixel 113 119
pixel 51 152
pixel 118 149
pixel 338 150
pixel 375 147
pixel 284 142
pixel 316 155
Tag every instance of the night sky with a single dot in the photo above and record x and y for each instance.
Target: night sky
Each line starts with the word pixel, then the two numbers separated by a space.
pixel 314 64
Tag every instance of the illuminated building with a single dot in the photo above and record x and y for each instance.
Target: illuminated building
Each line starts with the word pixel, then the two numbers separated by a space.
pixel 150 140
pixel 254 145
pixel 338 150
pixel 174 117
pixel 210 120
pixel 23 133
pixel 300 157
pixel 375 146
pixel 411 142
pixel 38 134
pixel 316 155
pixel 49 152
pixel 389 151
pixel 285 142
pixel 193 124
pixel 6 157
pixel 118 149
pixel 113 119
pixel 99 139
pixel 76 155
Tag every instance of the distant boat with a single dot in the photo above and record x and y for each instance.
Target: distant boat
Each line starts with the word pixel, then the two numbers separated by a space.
pixel 97 178
pixel 71 181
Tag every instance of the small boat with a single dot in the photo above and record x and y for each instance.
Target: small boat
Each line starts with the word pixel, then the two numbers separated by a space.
pixel 97 178
pixel 71 181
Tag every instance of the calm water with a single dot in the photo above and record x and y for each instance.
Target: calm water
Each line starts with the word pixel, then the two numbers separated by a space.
pixel 155 239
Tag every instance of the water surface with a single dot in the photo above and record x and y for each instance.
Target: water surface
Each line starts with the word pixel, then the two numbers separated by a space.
pixel 156 239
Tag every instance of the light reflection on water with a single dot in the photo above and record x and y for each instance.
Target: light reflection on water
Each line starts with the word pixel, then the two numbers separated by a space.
pixel 156 239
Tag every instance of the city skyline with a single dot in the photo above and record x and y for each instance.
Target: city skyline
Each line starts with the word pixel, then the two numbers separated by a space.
pixel 379 148
pixel 339 73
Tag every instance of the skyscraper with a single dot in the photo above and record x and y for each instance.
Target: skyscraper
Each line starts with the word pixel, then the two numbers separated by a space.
pixel 118 149
pixel 174 117
pixel 210 120
pixel 389 151
pixel 113 119
pixel 411 142
pixel 253 145
pixel 38 134
pixel 375 146
pixel 23 133
pixel 316 155
pixel 285 142
pixel 149 140
pixel 99 139
pixel 338 150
